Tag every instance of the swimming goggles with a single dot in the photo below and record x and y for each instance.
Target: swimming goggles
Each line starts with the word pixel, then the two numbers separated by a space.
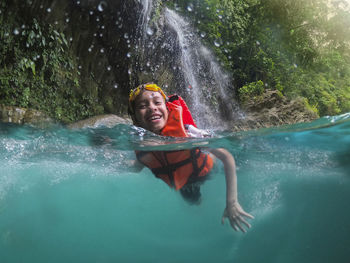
pixel 149 86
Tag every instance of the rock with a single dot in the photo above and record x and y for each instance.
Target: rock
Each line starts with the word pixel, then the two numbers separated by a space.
pixel 273 109
pixel 107 120
pixel 20 115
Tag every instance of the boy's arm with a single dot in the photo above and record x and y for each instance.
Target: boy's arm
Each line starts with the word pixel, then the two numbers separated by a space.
pixel 233 211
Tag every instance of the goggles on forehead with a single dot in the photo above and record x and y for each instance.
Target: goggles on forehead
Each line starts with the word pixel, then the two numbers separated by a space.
pixel 149 86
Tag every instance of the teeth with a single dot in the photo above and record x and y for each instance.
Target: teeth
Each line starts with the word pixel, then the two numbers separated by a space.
pixel 154 118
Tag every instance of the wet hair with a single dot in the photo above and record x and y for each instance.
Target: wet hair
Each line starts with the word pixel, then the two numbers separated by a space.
pixel 191 193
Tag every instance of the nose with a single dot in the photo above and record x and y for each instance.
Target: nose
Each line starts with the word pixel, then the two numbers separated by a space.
pixel 152 107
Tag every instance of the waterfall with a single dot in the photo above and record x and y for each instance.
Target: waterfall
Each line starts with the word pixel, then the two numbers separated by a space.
pixel 177 50
pixel 143 21
pixel 209 84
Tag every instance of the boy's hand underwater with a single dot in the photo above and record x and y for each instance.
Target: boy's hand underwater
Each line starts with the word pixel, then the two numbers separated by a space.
pixel 235 214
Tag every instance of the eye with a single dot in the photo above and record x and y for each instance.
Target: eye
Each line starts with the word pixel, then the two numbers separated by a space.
pixel 158 102
pixel 141 106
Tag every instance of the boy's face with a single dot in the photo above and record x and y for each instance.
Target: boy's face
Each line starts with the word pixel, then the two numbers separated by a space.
pixel 151 112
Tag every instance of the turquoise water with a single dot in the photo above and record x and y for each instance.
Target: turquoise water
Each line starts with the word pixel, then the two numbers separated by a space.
pixel 68 196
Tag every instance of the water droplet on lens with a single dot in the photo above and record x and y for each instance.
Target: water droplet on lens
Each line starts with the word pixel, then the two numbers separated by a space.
pixel 128 54
pixel 91 13
pixel 115 85
pixel 102 50
pixel 101 7
pixel 67 20
pixel 190 7
pixel 49 10
pixel 149 31
pixel 109 68
pixel 15 31
pixel 217 42
pixel 126 35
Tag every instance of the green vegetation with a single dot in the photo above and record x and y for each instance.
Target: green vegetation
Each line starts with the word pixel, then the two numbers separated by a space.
pixel 301 48
pixel 37 71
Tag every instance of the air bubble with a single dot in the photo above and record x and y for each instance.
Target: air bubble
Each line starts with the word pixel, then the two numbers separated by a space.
pixel 15 31
pixel 203 34
pixel 102 50
pixel 48 10
pixel 128 54
pixel 109 68
pixel 126 35
pixel 115 85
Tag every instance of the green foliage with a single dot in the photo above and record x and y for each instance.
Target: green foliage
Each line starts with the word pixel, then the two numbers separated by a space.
pixel 252 89
pixel 300 48
pixel 37 71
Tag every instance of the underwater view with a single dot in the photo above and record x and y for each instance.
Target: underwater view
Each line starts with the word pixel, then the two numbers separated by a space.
pixel 68 196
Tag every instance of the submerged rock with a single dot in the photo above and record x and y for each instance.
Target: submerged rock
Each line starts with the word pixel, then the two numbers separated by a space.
pixel 106 120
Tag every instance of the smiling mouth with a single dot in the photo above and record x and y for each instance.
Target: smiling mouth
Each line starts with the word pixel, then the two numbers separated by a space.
pixel 153 118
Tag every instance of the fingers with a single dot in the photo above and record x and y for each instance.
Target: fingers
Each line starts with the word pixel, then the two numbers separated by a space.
pixel 236 222
pixel 247 215
pixel 244 222
pixel 233 225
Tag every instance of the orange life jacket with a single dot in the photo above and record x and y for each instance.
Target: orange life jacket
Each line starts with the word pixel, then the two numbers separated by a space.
pixel 176 168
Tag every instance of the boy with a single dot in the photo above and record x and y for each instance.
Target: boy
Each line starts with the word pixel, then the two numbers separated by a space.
pixel 185 169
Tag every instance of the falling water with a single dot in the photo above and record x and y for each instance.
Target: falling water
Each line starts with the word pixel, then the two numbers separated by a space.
pixel 197 75
pixel 144 19
pixel 206 81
